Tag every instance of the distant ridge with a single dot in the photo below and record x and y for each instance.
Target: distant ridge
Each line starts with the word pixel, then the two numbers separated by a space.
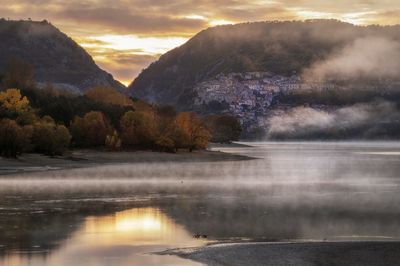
pixel 55 57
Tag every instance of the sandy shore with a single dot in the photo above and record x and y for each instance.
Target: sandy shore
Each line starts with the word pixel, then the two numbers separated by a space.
pixel 89 158
pixel 305 253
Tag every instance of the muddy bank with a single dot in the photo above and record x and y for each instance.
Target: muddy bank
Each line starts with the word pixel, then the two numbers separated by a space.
pixel 90 158
pixel 361 253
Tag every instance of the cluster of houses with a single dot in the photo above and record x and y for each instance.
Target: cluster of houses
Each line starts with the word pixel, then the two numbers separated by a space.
pixel 248 96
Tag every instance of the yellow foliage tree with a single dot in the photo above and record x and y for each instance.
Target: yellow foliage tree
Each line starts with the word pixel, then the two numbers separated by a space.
pixel 11 100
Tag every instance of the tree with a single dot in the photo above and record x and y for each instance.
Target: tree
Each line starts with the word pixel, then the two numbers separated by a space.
pixel 19 74
pixel 49 138
pixel 165 144
pixel 165 115
pixel 223 128
pixel 62 140
pixel 108 95
pixel 13 138
pixel 190 132
pixel 12 103
pixel 139 129
pixel 166 128
pixel 91 130
pixel 64 108
pixel 27 118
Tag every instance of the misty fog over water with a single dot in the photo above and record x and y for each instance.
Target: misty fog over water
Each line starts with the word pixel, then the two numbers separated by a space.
pixel 290 191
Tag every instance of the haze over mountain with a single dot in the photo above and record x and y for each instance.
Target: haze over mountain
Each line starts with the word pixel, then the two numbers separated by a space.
pixel 283 48
pixel 261 72
pixel 54 56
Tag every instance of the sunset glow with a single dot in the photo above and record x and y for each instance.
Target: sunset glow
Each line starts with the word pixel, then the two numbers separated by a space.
pixel 141 45
pixel 125 36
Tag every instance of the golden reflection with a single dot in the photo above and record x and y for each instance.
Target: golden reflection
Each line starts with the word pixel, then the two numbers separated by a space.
pixel 134 224
pixel 130 221
pixel 140 225
pixel 123 238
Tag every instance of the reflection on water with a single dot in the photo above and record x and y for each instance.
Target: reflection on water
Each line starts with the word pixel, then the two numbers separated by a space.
pixel 123 238
pixel 140 225
pixel 117 215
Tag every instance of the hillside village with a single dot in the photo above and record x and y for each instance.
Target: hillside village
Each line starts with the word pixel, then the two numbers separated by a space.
pixel 248 96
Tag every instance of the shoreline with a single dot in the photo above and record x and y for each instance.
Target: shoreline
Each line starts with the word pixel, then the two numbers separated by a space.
pixel 352 252
pixel 75 159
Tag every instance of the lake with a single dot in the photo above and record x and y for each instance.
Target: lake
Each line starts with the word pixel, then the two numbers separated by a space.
pixel 122 214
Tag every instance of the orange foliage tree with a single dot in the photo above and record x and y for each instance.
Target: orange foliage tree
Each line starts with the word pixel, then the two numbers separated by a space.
pixel 190 132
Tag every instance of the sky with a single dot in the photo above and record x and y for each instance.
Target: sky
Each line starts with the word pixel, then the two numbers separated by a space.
pixel 125 36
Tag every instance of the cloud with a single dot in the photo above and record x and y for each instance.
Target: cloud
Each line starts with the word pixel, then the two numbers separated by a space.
pixel 182 16
pixel 298 120
pixel 256 12
pixel 389 17
pixel 127 64
pixel 367 57
pixel 361 120
pixel 82 19
pixel 126 22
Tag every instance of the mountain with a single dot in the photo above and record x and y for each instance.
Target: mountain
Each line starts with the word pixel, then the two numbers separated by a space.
pixel 265 71
pixel 54 56
pixel 283 48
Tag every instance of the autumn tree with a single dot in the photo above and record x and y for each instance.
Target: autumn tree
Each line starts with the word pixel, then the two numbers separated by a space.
pixel 14 139
pixel 62 140
pixel 190 132
pixel 13 104
pixel 49 138
pixel 65 107
pixel 165 143
pixel 91 130
pixel 138 129
pixel 165 116
pixel 165 126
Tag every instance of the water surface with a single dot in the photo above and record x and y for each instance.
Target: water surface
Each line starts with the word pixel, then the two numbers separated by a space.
pixel 121 214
